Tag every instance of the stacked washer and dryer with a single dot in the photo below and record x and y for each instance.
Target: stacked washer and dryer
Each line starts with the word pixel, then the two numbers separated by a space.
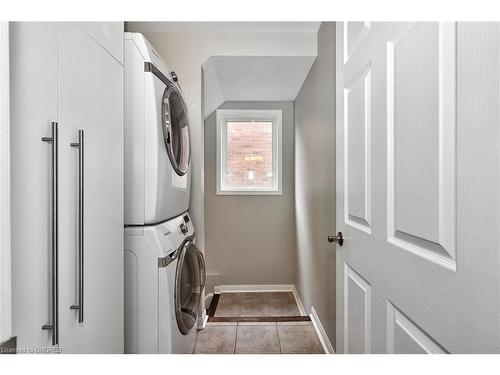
pixel 164 270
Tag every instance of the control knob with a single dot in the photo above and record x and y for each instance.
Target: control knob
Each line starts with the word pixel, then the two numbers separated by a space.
pixel 184 228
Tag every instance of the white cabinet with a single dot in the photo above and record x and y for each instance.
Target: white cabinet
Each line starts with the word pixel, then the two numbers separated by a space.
pixel 59 73
pixel 107 34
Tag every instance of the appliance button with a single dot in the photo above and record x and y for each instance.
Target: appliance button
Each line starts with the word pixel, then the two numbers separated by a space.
pixel 184 228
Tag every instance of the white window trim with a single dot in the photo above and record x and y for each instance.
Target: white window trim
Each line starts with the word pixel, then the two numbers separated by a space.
pixel 5 251
pixel 275 116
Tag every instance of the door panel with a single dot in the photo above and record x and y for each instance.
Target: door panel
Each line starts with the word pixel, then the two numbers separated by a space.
pixel 91 99
pixel 404 337
pixel 33 107
pixel 421 148
pixel 358 312
pixel 415 75
pixel 418 180
pixel 354 33
pixel 357 102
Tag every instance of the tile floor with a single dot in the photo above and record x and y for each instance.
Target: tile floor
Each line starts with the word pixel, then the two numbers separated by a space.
pixel 258 337
pixel 257 304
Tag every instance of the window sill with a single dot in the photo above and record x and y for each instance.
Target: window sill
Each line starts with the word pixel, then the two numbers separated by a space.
pixel 249 192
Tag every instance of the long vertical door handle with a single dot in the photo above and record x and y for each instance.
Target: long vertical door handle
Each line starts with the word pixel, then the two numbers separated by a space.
pixel 203 270
pixel 54 325
pixel 81 211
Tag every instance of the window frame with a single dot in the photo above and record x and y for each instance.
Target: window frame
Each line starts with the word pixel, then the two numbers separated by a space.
pixel 223 116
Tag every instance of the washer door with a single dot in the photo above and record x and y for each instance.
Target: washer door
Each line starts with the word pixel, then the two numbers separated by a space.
pixel 189 283
pixel 175 125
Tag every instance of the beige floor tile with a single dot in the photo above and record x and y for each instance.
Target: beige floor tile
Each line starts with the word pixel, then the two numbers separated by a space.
pixel 256 323
pixel 283 309
pixel 281 297
pixel 229 305
pixel 253 297
pixel 299 339
pixel 216 340
pixel 253 308
pixel 257 340
pixel 257 304
pixel 229 297
pixel 228 309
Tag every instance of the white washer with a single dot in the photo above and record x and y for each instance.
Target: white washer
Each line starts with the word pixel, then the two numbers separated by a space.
pixel 157 145
pixel 164 281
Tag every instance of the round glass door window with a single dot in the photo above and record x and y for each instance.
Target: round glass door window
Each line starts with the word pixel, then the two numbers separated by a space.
pixel 189 283
pixel 175 124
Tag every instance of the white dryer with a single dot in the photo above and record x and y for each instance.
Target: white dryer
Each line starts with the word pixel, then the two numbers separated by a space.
pixel 164 281
pixel 157 144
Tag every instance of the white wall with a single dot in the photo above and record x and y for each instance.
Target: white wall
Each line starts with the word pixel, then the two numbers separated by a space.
pixel 186 51
pixel 213 95
pixel 5 276
pixel 250 239
pixel 315 183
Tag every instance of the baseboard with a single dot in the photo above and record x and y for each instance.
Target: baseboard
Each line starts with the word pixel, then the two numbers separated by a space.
pixel 253 288
pixel 218 289
pixel 299 301
pixel 323 337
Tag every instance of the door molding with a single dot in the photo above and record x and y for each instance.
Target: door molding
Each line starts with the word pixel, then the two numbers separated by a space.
pixel 339 176
pixel 5 251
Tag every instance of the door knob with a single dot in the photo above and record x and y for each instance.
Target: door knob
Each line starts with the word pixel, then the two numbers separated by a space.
pixel 339 238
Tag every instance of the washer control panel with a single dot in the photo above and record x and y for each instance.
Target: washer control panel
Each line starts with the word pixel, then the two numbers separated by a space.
pixel 185 226
pixel 170 235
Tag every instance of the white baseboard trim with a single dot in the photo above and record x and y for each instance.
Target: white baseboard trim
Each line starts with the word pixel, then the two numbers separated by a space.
pixel 299 301
pixel 323 337
pixel 262 288
pixel 253 288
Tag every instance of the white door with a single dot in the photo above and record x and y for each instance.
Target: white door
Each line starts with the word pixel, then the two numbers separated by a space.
pixel 418 187
pixel 91 99
pixel 33 98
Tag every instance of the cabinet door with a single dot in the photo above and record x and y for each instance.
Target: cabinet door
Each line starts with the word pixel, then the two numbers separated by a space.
pixel 109 35
pixel 33 101
pixel 91 99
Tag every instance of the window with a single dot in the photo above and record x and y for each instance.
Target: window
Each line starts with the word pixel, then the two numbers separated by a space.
pixel 248 152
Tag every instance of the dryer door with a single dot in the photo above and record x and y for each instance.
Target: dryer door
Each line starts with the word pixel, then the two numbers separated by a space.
pixel 189 283
pixel 175 125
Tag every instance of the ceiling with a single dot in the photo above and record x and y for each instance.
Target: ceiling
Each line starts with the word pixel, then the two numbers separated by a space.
pixel 253 78
pixel 252 27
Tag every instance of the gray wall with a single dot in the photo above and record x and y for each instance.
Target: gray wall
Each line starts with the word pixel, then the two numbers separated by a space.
pixel 315 183
pixel 250 239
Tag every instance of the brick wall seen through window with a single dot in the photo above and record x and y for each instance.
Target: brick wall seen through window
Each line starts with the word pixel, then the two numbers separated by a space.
pixel 249 154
